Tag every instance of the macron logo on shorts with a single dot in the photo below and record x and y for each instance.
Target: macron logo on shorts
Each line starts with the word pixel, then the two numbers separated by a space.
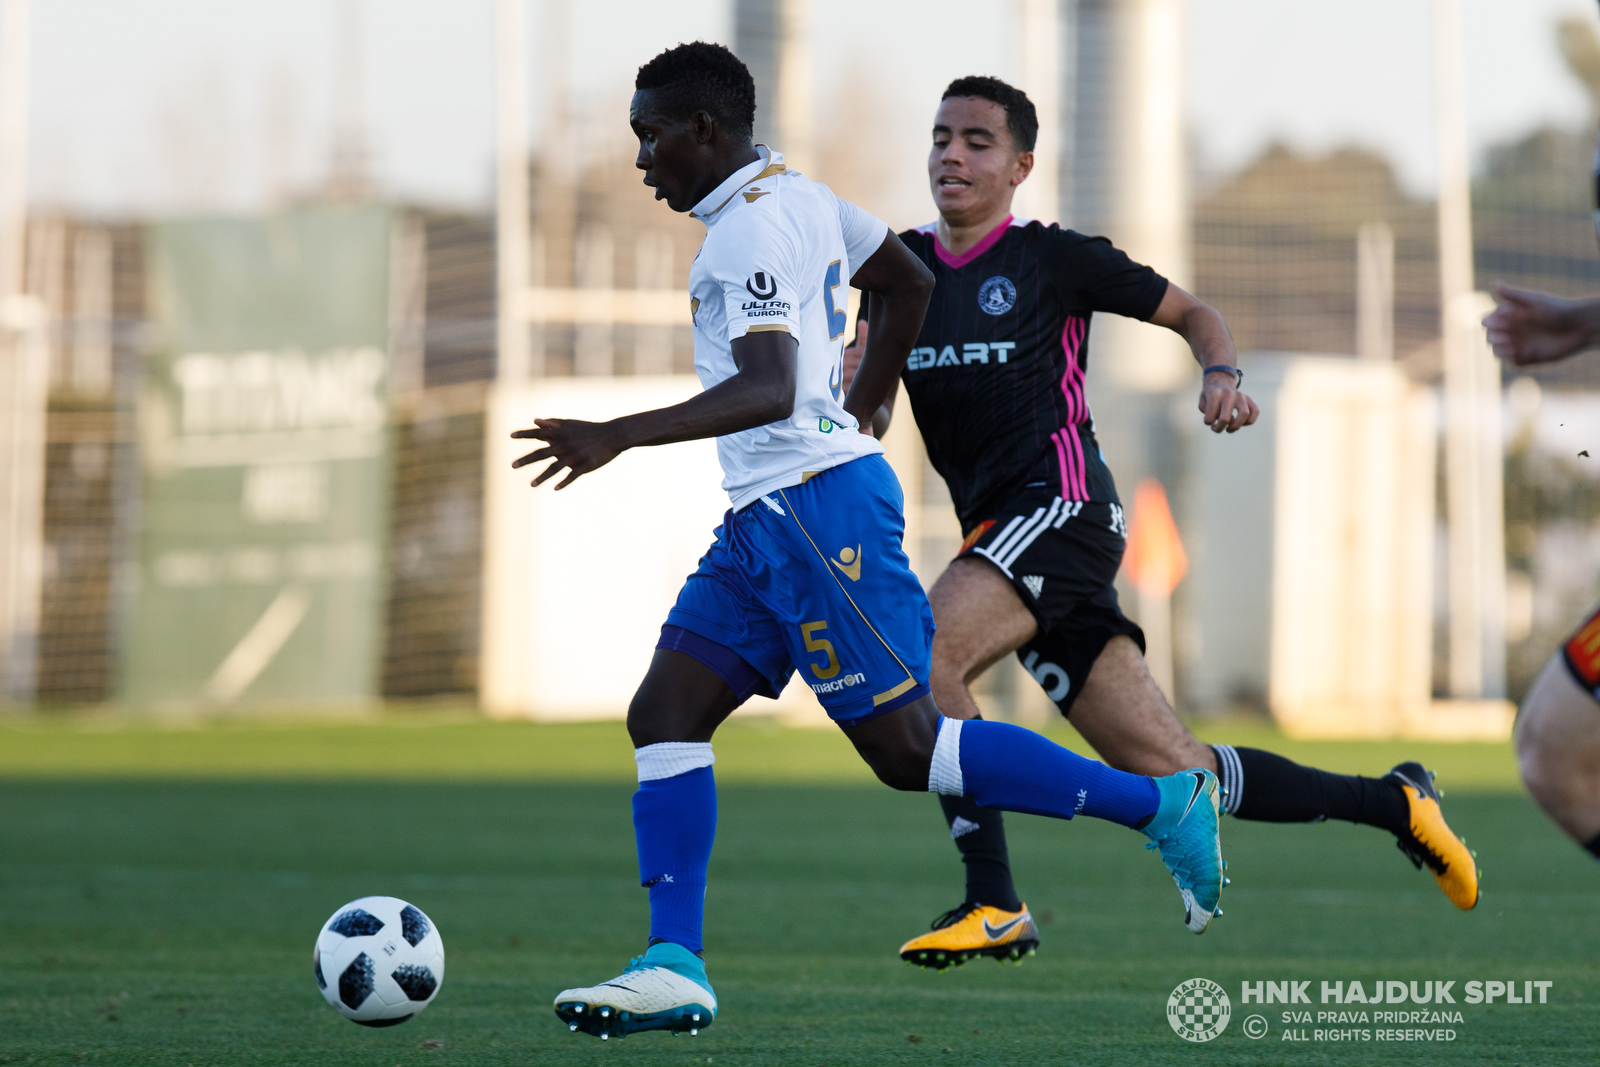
pixel 839 683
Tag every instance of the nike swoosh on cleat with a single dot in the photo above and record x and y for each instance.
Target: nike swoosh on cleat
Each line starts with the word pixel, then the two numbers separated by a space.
pixel 994 933
pixel 1199 786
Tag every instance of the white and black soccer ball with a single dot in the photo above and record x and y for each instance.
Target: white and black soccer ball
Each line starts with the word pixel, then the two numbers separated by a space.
pixel 378 961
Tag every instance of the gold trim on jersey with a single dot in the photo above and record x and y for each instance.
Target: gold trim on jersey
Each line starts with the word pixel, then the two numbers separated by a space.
pixel 769 327
pixel 771 169
pixel 910 678
pixel 890 694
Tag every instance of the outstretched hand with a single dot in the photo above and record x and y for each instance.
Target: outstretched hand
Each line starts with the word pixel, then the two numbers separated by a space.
pixel 1530 327
pixel 576 447
pixel 1226 408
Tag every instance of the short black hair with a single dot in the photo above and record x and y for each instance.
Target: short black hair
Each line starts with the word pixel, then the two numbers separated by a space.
pixel 1021 119
pixel 702 77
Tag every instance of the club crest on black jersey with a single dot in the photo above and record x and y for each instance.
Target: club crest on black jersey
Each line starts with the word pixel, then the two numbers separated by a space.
pixel 997 295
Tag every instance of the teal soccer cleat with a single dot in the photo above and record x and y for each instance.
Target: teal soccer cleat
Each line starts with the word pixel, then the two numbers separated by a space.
pixel 1184 828
pixel 665 989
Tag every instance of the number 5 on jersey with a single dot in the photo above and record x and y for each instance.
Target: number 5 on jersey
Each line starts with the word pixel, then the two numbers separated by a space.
pixel 836 325
pixel 820 644
pixel 836 315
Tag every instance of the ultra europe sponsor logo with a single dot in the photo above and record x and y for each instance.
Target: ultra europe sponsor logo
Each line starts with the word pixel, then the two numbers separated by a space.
pixel 839 683
pixel 762 285
pixel 765 309
pixel 1198 1010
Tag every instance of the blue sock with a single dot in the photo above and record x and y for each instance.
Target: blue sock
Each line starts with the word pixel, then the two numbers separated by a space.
pixel 674 822
pixel 1004 766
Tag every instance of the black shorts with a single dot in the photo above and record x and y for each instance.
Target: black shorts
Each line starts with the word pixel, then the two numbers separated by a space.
pixel 1062 557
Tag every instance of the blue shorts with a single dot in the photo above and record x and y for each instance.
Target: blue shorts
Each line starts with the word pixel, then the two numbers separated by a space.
pixel 813 578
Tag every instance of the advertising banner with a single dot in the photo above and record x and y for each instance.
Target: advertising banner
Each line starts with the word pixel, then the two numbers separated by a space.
pixel 264 447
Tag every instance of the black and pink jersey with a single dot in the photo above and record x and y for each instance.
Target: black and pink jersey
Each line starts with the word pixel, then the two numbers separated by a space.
pixel 996 380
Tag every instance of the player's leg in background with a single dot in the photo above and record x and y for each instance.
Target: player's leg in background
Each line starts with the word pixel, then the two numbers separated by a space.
pixel 1558 751
pixel 1015 769
pixel 981 621
pixel 1123 715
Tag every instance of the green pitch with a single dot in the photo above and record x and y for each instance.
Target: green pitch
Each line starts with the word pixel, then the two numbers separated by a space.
pixel 160 891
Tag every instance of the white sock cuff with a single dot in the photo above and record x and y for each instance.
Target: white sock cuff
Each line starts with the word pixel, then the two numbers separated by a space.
pixel 944 773
pixel 672 758
pixel 1230 772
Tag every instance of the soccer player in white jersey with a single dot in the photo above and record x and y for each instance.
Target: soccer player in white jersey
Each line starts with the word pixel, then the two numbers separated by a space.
pixel 807 570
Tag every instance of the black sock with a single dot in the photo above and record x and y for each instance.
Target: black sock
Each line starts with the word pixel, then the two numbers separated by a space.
pixel 1268 788
pixel 980 834
pixel 1593 845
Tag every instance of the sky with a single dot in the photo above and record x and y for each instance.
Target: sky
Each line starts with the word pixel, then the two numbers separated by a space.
pixel 1361 72
pixel 170 105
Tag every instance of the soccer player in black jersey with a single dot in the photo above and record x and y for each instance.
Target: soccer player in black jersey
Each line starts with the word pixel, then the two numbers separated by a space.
pixel 996 382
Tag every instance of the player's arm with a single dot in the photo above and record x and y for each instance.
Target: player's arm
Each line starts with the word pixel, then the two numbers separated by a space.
pixel 762 392
pixel 1530 327
pixel 899 287
pixel 1224 406
pixel 852 360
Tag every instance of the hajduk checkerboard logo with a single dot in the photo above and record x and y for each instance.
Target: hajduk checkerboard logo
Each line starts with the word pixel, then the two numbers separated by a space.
pixel 1198 1010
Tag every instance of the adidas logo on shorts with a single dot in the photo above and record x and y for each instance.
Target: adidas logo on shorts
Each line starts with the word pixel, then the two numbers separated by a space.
pixel 1035 584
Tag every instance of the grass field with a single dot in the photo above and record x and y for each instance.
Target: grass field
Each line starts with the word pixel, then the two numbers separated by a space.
pixel 160 890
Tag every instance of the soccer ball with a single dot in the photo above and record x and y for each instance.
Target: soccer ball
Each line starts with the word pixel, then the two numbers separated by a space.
pixel 378 961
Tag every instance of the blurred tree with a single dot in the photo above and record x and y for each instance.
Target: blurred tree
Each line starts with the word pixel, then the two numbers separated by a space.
pixel 1275 248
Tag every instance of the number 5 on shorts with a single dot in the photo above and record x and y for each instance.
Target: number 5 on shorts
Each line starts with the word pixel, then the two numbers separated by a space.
pixel 820 644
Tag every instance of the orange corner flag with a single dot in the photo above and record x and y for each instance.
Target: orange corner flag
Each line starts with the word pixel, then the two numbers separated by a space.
pixel 1155 559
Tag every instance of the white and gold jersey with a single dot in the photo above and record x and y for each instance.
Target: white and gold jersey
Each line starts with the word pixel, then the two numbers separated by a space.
pixel 778 255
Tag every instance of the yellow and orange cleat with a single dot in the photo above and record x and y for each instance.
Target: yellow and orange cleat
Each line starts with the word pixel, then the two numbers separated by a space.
pixel 1431 841
pixel 970 931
